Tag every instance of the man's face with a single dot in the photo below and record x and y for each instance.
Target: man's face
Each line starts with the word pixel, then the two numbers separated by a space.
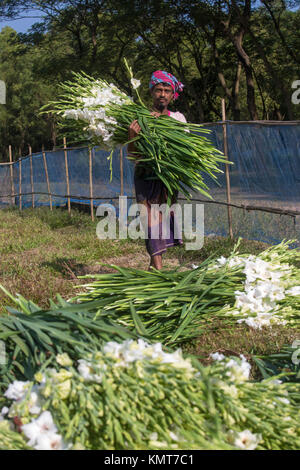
pixel 162 94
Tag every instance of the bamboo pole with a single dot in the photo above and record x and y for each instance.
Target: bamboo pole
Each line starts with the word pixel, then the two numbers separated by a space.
pixel 121 171
pixel 20 184
pixel 67 175
pixel 31 174
pixel 225 144
pixel 47 176
pixel 91 183
pixel 11 169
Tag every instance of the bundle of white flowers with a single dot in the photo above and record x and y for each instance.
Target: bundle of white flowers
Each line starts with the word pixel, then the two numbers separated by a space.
pixel 269 286
pixel 134 395
pixel 238 369
pixel 36 425
pixel 91 101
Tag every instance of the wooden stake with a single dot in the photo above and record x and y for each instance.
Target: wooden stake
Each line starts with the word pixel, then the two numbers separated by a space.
pixel 121 171
pixel 47 177
pixel 91 184
pixel 31 174
pixel 20 184
pixel 11 168
pixel 67 175
pixel 229 212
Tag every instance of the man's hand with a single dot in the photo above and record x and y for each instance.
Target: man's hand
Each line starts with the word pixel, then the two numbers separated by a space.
pixel 155 113
pixel 134 130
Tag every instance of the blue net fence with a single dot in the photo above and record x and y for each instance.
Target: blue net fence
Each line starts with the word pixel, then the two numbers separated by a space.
pixel 264 180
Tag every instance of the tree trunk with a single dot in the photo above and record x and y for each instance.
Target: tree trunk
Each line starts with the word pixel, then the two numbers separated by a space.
pixel 279 32
pixel 236 110
pixel 245 60
pixel 53 134
pixel 232 95
pixel 285 98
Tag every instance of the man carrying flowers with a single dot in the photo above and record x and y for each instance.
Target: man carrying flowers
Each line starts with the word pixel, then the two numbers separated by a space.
pixel 150 190
pixel 171 155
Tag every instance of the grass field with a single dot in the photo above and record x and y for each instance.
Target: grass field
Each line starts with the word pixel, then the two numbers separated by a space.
pixel 43 252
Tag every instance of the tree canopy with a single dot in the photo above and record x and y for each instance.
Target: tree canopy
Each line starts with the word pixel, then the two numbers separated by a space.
pixel 245 51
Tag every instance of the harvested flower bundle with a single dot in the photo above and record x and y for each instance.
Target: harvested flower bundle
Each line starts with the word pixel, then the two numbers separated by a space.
pixel 133 395
pixel 33 335
pixel 98 112
pixel 165 306
pixel 175 306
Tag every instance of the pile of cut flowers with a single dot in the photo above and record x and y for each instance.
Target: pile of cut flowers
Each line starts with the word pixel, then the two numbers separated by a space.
pixel 172 306
pixel 133 395
pixel 103 370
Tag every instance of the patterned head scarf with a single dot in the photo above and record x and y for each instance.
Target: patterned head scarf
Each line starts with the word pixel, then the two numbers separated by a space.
pixel 164 77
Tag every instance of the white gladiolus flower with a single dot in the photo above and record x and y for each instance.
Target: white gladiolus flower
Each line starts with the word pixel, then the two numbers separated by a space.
pixel 16 390
pixel 153 436
pixel 284 400
pixel 275 382
pixel 71 114
pixel 45 422
pixel 112 349
pixel 50 441
pixel 238 372
pixel 222 261
pixel 246 440
pixel 130 351
pixel 178 361
pixel 34 404
pixel 36 428
pixel 174 436
pixel 87 371
pixel 32 431
pixel 217 356
pixel 293 291
pixel 4 410
pixel 42 433
pixel 230 390
pixel 64 359
pixel 135 83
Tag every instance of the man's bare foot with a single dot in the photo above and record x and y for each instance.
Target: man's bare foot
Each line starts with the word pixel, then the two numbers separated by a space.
pixel 156 262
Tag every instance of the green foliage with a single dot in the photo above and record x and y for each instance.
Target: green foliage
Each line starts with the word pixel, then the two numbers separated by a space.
pixel 32 335
pixel 192 39
pixel 284 362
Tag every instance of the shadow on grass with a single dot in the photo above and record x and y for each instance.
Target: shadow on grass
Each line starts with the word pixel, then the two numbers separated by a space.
pixel 69 268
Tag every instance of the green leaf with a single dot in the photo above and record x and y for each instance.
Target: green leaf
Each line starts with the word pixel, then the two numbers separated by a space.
pixel 140 328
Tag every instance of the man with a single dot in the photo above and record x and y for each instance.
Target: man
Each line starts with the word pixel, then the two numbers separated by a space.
pixel 164 88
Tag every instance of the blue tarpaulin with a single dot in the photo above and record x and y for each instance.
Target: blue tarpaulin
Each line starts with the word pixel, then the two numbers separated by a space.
pixel 265 173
